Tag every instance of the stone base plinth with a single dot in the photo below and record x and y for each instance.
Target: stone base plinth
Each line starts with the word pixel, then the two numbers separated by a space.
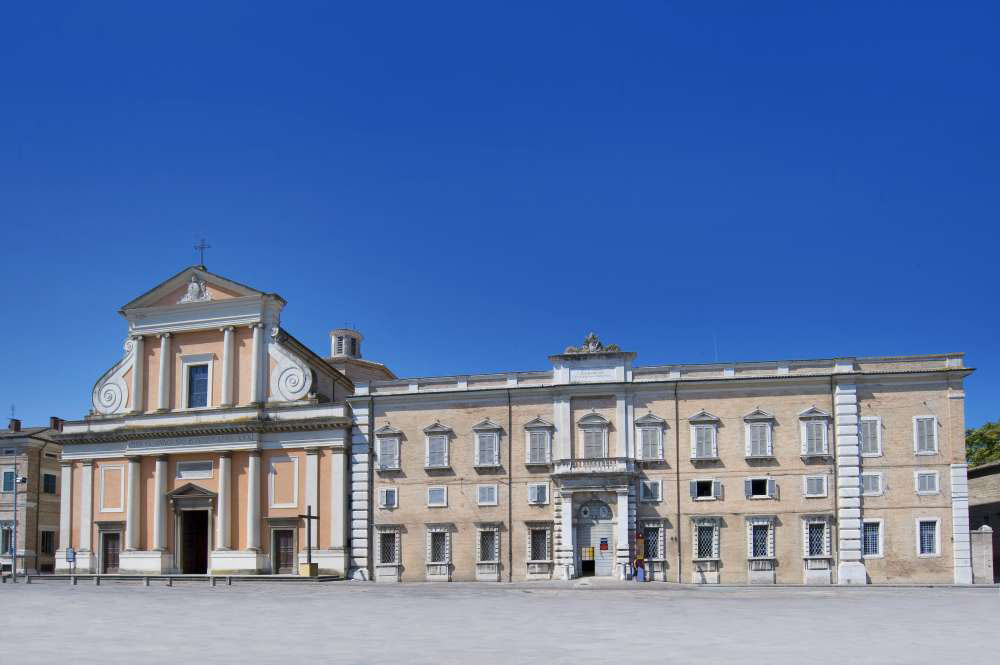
pixel 851 572
pixel 237 562
pixel 142 562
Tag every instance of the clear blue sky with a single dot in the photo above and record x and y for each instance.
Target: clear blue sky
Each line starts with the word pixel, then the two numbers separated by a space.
pixel 476 186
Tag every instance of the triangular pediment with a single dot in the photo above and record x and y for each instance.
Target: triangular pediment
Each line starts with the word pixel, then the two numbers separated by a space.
pixel 813 412
pixel 703 416
pixel 193 284
pixel 486 426
pixel 538 423
pixel 437 428
pixel 758 414
pixel 387 430
pixel 650 420
pixel 191 491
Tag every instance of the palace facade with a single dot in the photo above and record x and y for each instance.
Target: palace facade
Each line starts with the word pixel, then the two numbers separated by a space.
pixel 217 435
pixel 846 470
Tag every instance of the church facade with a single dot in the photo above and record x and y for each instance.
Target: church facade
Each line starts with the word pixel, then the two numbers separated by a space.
pixel 845 470
pixel 210 443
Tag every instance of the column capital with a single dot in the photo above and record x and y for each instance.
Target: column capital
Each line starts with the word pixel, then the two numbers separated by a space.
pixel 87 462
pixel 133 458
pixel 136 337
pixel 225 454
pixel 66 463
pixel 313 450
pixel 162 458
pixel 227 328
pixel 164 335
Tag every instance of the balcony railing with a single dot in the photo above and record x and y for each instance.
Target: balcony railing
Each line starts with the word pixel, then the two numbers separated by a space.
pixel 595 465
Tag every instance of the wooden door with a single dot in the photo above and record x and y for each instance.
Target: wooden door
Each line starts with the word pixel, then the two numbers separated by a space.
pixel 284 552
pixel 111 545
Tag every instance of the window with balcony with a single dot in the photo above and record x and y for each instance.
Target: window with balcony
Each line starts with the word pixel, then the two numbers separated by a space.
pixel 593 429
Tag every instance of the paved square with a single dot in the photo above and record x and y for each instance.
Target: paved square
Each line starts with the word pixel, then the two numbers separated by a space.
pixel 468 623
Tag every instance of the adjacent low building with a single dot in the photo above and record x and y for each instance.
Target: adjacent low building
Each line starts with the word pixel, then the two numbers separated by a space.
pixel 843 470
pixel 28 454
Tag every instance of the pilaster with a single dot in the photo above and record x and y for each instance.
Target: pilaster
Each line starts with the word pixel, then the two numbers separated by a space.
pixel 65 515
pixel 166 362
pixel 138 375
pixel 566 548
pixel 160 504
pixel 132 508
pixel 360 495
pixel 86 505
pixel 851 569
pixel 227 366
pixel 223 519
pixel 253 501
pixel 960 534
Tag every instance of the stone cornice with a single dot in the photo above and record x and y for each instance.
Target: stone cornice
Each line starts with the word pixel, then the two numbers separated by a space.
pixel 258 426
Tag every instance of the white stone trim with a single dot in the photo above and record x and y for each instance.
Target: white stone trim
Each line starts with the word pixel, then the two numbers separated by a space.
pixel 850 569
pixel 960 536
pixel 444 490
pixel 826 486
pixel 826 521
pixel 181 463
pixel 713 428
pixel 271 472
pixel 121 493
pixel 881 537
pixel 713 522
pixel 546 432
pixel 760 520
pixel 926 472
pixel 111 394
pixel 479 495
pixel 193 360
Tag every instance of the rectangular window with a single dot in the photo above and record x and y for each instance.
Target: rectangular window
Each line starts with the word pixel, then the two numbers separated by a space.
pixel 388 552
pixel 539 545
pixel 194 470
pixel 538 493
pixel 706 489
pixel 649 490
pixel 437 497
pixel 48 542
pixel 817 538
pixel 488 546
pixel 6 538
pixel 439 547
pixel 340 345
pixel 437 451
pixel 486 449
pixel 871 539
pixel 704 441
pixel 593 443
pixel 928 538
pixel 388 497
pixel 871 484
pixel 388 453
pixel 815 486
pixel 705 541
pixel 815 435
pixel 760 488
pixel 49 483
pixel 538 449
pixel 759 444
pixel 871 437
pixel 759 539
pixel 927 482
pixel 8 481
pixel 650 443
pixel 487 495
pixel 197 386
pixel 651 542
pixel 925 435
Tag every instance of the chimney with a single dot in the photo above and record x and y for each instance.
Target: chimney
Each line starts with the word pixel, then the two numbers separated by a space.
pixel 55 423
pixel 15 425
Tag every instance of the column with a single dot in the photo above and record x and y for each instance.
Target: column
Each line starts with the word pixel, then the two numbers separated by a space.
pixel 133 518
pixel 66 507
pixel 160 505
pixel 227 366
pixel 253 501
pixel 623 553
pixel 338 499
pixel 256 389
pixel 312 493
pixel 222 520
pixel 960 534
pixel 87 505
pixel 566 545
pixel 138 375
pixel 850 569
pixel 166 362
pixel 562 444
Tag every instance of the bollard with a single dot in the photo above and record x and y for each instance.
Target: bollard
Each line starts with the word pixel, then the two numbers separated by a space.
pixel 213 580
pixel 97 580
pixel 27 579
pixel 72 580
pixel 229 580
pixel 145 581
pixel 170 581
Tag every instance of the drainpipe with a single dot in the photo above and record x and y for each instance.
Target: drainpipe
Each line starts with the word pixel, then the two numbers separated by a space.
pixel 371 487
pixel 677 475
pixel 510 491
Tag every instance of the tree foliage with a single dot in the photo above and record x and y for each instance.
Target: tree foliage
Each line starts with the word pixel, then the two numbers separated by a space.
pixel 982 444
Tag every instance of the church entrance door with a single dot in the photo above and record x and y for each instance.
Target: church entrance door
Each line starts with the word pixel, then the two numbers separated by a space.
pixel 194 542
pixel 284 551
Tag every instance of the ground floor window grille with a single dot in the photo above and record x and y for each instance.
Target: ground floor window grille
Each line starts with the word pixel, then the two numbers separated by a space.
pixel 817 539
pixel 538 544
pixel 489 546
pixel 928 537
pixel 651 542
pixel 760 536
pixel 388 547
pixel 871 539
pixel 760 540
pixel 439 547
pixel 706 540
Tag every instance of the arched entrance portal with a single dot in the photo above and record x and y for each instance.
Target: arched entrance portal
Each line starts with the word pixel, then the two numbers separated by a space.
pixel 595 530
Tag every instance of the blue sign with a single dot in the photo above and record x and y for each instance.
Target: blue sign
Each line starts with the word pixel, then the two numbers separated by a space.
pixel 70 555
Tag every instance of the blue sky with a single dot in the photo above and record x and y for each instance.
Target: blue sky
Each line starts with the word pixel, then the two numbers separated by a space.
pixel 477 186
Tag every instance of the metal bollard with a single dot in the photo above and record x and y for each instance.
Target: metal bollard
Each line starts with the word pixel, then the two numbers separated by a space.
pixel 229 580
pixel 97 580
pixel 145 581
pixel 72 580
pixel 170 581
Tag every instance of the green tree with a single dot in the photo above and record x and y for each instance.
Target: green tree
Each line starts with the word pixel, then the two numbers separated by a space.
pixel 982 444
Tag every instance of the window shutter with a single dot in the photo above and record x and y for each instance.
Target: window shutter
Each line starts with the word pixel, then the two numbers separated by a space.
pixel 772 489
pixel 693 488
pixel 717 489
pixel 427 451
pixel 747 485
pixel 694 441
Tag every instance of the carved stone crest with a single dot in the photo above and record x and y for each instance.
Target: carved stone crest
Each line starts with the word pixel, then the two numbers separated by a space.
pixel 196 291
pixel 591 344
